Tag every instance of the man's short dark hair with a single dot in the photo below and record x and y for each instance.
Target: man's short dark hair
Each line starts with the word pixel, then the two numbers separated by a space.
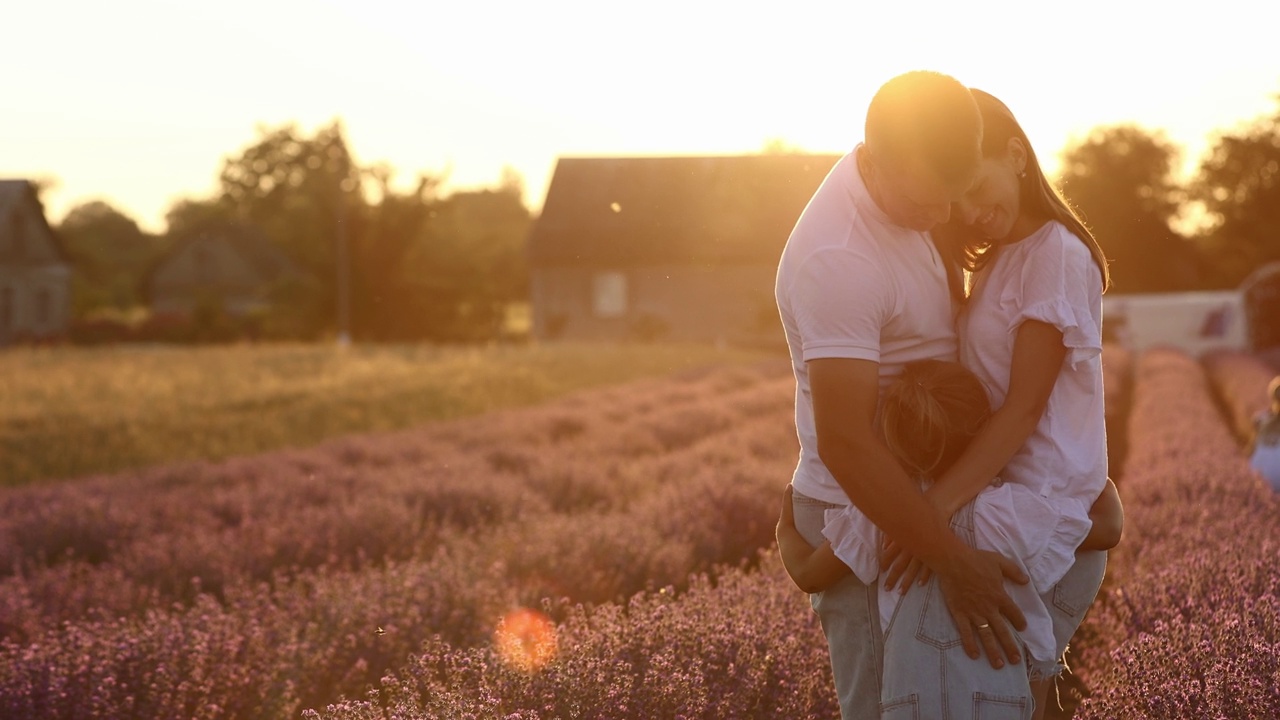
pixel 928 117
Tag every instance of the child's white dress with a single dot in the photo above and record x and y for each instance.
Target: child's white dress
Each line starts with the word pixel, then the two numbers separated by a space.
pixel 856 541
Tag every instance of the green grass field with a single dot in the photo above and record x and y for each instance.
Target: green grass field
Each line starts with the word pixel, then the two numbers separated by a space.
pixel 67 412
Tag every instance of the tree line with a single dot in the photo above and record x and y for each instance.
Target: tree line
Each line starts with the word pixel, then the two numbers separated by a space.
pixel 419 264
pixel 1123 179
pixel 422 265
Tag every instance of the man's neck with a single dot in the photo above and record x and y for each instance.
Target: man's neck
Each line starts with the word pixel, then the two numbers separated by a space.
pixel 868 175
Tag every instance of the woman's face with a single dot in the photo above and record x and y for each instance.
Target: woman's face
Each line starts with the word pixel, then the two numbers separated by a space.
pixel 993 203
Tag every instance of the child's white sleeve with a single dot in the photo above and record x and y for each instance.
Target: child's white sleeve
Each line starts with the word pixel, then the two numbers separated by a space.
pixel 855 540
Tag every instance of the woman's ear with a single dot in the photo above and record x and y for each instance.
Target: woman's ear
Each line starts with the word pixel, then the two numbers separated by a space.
pixel 1017 155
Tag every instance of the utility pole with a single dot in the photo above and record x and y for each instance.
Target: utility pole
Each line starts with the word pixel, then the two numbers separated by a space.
pixel 341 261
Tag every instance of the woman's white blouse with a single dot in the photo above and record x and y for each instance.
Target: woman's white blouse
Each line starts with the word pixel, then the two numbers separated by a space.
pixel 1050 277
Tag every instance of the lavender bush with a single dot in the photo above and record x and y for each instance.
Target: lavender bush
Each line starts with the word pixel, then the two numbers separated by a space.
pixel 1240 380
pixel 607 555
pixel 1187 625
pixel 258 586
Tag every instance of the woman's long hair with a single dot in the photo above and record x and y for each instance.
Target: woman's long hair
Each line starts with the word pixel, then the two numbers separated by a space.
pixel 965 246
pixel 930 413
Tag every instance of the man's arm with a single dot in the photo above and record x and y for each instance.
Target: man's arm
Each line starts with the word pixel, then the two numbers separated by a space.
pixel 845 394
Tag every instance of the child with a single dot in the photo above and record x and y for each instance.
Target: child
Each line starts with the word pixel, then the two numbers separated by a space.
pixel 929 415
pixel 1264 448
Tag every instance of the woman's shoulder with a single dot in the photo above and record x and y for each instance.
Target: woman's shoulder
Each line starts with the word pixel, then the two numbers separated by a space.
pixel 1058 236
pixel 1056 244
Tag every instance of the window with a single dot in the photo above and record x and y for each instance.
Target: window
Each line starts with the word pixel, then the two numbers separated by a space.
pixel 609 295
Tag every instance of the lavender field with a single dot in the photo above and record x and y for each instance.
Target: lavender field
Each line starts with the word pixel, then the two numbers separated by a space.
pixel 605 555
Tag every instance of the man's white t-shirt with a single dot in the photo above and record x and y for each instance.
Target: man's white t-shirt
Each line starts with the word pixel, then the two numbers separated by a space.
pixel 851 284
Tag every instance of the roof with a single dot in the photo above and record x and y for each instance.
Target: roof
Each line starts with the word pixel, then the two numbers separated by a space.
pixel 13 193
pixel 263 256
pixel 663 210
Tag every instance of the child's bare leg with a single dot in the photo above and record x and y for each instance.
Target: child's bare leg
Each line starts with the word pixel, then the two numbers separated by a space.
pixel 1040 694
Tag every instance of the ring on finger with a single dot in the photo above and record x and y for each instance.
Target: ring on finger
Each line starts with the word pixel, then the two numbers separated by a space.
pixel 984 626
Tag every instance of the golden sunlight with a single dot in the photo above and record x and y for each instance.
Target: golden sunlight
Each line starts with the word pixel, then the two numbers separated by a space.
pixel 525 639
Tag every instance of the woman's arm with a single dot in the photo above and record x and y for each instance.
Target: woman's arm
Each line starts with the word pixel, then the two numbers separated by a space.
pixel 1038 354
pixel 812 570
pixel 1107 515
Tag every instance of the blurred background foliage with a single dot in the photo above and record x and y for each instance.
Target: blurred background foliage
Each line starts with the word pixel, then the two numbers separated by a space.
pixel 421 264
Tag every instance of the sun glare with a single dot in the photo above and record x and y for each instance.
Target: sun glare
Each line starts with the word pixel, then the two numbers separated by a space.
pixel 525 639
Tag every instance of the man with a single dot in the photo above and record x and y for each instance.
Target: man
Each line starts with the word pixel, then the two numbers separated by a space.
pixel 862 290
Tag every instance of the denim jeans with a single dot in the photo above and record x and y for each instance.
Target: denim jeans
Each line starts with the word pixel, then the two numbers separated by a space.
pixel 850 616
pixel 927 673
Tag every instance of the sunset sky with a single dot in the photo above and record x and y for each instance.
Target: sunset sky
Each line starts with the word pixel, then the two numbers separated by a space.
pixel 137 101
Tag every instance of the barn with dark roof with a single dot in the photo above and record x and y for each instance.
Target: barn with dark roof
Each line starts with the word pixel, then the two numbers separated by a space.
pixel 35 272
pixel 679 248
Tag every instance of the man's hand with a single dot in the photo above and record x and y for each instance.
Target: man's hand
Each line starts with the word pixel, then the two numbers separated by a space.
pixel 898 564
pixel 973 589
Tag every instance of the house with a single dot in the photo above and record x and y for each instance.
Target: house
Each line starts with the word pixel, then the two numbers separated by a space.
pixel 35 272
pixel 680 248
pixel 229 266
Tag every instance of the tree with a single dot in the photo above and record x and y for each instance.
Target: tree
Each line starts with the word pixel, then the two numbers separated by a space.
pixel 469 265
pixel 389 306
pixel 1121 179
pixel 419 266
pixel 1238 184
pixel 111 255
pixel 189 215
pixel 304 193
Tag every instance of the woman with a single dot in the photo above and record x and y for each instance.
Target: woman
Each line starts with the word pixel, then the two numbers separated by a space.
pixel 1031 331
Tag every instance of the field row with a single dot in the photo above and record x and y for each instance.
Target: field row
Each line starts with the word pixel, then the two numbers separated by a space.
pixel 606 555
pixel 1189 625
pixel 299 576
pixel 70 412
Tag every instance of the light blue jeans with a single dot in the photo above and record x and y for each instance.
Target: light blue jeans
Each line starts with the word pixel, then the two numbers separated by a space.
pixel 850 615
pixel 927 673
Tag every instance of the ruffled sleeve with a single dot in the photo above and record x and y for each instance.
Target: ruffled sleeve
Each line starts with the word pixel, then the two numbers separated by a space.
pixel 1016 522
pixel 1061 285
pixel 855 540
pixel 1059 554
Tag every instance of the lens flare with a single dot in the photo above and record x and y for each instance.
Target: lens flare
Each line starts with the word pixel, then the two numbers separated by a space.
pixel 525 639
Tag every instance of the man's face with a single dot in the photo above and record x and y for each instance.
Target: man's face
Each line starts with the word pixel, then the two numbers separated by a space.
pixel 914 197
